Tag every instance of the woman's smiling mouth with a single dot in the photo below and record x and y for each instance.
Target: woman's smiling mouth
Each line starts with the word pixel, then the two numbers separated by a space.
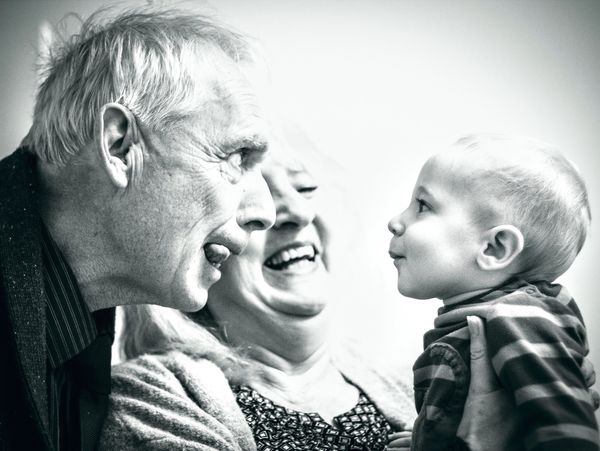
pixel 295 256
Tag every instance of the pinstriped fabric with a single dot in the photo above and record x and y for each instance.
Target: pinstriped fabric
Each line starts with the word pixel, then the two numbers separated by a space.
pixel 70 328
pixel 537 341
pixel 70 325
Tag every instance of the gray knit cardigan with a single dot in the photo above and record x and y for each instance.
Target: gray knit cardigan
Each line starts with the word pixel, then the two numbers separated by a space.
pixel 175 402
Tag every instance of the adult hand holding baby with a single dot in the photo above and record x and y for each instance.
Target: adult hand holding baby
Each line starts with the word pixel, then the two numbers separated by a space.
pixel 487 402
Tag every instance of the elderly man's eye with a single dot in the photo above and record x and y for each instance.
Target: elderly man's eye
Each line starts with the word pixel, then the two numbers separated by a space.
pixel 236 160
pixel 245 158
pixel 239 162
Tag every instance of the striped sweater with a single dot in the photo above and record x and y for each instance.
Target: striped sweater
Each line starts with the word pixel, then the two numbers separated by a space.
pixel 536 340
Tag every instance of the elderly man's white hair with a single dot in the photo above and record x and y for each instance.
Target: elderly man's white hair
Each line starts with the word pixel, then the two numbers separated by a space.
pixel 145 60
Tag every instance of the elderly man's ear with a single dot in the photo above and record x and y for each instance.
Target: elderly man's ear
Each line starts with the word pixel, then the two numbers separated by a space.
pixel 502 245
pixel 120 148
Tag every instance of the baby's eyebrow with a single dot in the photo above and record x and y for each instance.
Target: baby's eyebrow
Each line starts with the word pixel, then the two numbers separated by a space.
pixel 422 190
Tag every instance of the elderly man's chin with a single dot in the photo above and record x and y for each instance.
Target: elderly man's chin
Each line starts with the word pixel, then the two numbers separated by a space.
pixel 189 288
pixel 188 298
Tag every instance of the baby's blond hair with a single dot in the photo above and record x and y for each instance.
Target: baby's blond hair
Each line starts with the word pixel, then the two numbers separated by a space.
pixel 528 184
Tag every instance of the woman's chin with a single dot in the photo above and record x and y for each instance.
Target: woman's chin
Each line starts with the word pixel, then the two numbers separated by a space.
pixel 300 308
pixel 301 290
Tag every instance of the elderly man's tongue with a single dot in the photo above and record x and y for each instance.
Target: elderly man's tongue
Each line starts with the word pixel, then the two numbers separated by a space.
pixel 216 253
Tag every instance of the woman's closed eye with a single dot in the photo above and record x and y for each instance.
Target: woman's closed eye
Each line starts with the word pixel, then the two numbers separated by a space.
pixel 307 190
pixel 304 183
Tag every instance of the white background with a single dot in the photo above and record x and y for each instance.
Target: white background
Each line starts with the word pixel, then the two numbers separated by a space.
pixel 380 85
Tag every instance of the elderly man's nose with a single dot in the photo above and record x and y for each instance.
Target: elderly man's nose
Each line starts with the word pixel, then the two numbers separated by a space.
pixel 396 226
pixel 257 211
pixel 293 210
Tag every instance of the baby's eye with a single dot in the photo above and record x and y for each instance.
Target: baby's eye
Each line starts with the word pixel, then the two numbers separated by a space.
pixel 422 206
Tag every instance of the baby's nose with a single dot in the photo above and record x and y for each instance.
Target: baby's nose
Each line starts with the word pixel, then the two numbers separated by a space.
pixel 396 226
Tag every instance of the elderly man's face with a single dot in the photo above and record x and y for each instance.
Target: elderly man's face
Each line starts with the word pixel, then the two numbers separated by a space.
pixel 201 195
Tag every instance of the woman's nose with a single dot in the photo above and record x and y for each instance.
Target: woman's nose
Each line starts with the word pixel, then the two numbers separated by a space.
pixel 396 226
pixel 293 210
pixel 256 210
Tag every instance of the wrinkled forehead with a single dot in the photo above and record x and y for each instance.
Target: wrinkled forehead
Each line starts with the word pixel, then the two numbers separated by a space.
pixel 225 117
pixel 224 95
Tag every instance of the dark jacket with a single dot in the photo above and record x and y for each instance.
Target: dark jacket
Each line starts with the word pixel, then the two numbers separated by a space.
pixel 23 391
pixel 24 409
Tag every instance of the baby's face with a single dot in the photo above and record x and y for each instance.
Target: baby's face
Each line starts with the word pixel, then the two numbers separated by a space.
pixel 436 239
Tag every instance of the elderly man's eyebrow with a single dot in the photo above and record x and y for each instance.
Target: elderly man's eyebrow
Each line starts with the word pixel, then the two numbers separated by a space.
pixel 255 142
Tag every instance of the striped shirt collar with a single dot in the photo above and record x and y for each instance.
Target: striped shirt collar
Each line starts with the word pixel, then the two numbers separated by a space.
pixel 70 327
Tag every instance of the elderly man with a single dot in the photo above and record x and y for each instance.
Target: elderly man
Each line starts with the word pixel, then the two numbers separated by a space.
pixel 139 177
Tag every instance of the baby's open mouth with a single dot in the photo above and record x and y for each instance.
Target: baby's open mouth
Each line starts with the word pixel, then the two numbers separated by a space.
pixel 296 255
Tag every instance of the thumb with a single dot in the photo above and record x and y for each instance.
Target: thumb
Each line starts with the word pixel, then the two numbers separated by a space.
pixel 483 377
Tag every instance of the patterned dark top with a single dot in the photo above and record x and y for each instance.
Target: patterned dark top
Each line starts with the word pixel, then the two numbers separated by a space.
pixel 277 428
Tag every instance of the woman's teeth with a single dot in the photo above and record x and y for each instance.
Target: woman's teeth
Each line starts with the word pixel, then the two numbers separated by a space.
pixel 287 257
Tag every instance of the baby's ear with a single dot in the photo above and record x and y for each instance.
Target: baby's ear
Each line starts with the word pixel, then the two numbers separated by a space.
pixel 502 244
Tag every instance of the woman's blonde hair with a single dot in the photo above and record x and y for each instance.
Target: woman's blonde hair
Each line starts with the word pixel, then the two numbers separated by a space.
pixel 153 329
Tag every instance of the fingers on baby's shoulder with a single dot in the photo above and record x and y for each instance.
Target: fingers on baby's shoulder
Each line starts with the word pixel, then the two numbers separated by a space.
pixel 476 327
pixel 399 441
pixel 587 368
pixel 595 398
pixel 477 334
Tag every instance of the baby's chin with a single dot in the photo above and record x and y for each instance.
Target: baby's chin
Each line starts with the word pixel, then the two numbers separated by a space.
pixel 416 294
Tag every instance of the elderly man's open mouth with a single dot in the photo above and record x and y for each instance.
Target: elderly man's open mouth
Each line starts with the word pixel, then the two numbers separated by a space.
pixel 216 254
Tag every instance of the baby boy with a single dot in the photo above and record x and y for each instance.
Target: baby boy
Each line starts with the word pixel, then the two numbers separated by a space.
pixel 492 223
